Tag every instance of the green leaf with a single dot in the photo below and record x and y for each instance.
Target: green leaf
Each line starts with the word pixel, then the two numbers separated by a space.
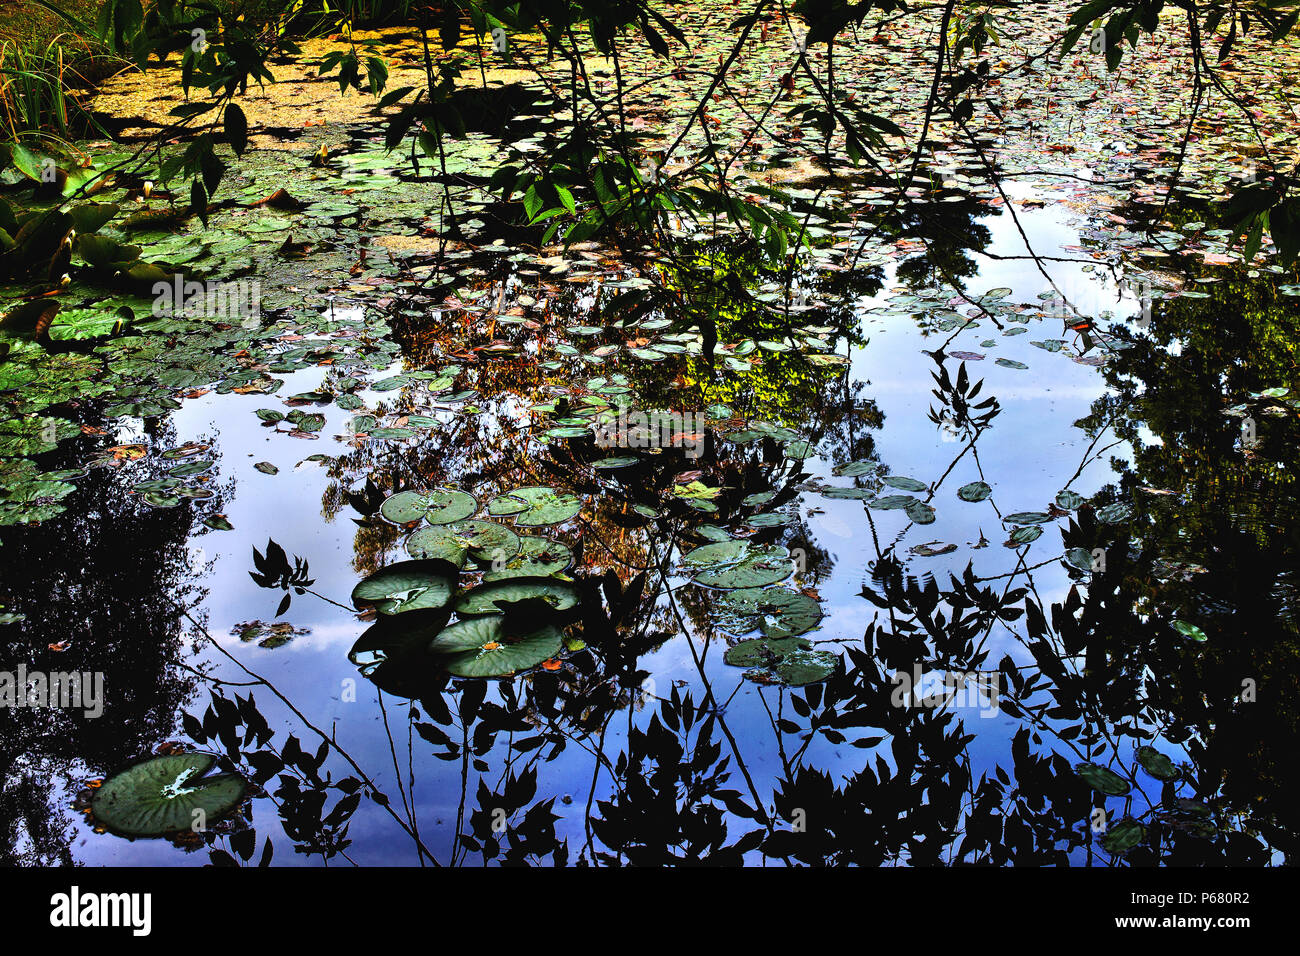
pixel 481 647
pixel 166 795
pixel 406 586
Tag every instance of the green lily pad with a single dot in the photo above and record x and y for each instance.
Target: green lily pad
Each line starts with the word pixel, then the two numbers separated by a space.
pixel 777 612
pixel 1081 558
pixel 1123 836
pixel 920 512
pixel 441 506
pixel 480 647
pixel 167 795
pixel 1102 780
pixel 1027 517
pixel 738 564
pixel 535 506
pixel 537 558
pixel 855 469
pixel 406 586
pixel 975 491
pixel 891 502
pixel 790 661
pixel 905 484
pixel 1114 514
pixel 1069 500
pixel 489 598
pixel 484 540
pixel 1157 764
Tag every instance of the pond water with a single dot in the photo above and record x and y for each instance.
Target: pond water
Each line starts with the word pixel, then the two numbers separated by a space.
pixel 1003 437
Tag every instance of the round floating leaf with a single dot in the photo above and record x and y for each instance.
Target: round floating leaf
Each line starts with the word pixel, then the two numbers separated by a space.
pixel 1123 836
pixel 805 667
pixel 920 512
pixel 859 494
pixel 891 502
pixel 442 506
pixel 855 469
pixel 616 462
pixel 540 506
pixel 777 612
pixel 905 484
pixel 1027 517
pixel 190 468
pixel 710 555
pixel 493 598
pixel 537 558
pixel 1157 764
pixel 1102 780
pixel 406 586
pixel 1081 558
pixel 975 491
pixel 485 540
pixel 790 661
pixel 1026 535
pixel 1069 500
pixel 759 651
pixel 738 564
pixel 160 796
pixel 480 647
pixel 1114 514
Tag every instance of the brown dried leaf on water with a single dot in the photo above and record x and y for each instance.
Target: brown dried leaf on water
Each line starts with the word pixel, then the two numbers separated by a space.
pixel 280 199
pixel 127 452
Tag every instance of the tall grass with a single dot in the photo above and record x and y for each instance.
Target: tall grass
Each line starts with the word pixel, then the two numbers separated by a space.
pixel 45 71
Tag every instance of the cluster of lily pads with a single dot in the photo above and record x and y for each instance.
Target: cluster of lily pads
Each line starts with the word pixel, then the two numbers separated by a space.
pixel 745 584
pixel 1182 812
pixel 512 620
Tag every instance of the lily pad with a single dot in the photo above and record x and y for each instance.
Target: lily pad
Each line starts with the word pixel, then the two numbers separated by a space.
pixel 1102 780
pixel 790 661
pixel 905 484
pixel 484 540
pixel 855 469
pixel 536 506
pixel 441 506
pixel 1157 764
pixel 777 612
pixel 1027 517
pixel 1190 631
pixel 167 795
pixel 1123 836
pixel 975 491
pixel 738 564
pixel 406 586
pixel 480 647
pixel 1069 500
pixel 490 598
pixel 537 558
